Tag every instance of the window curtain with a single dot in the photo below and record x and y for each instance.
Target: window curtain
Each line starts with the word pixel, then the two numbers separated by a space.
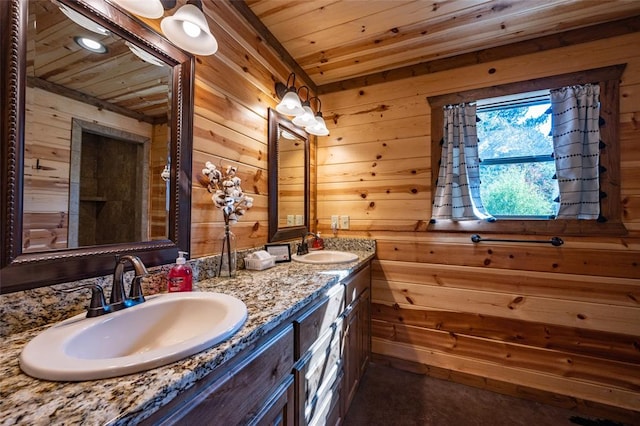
pixel 458 190
pixel 576 137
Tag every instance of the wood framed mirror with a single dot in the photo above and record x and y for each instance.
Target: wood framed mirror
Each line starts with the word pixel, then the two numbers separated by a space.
pixel 27 67
pixel 288 179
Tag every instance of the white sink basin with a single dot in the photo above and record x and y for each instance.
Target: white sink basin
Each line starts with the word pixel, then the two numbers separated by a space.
pixel 162 330
pixel 325 256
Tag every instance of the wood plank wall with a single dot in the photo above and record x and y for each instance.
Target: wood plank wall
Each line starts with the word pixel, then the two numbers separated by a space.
pixel 233 90
pixel 557 324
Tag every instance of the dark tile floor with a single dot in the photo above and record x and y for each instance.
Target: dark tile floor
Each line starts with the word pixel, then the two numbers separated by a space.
pixel 391 397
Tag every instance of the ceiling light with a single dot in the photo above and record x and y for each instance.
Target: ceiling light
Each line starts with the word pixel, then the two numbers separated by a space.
pixel 83 21
pixel 290 103
pixel 90 44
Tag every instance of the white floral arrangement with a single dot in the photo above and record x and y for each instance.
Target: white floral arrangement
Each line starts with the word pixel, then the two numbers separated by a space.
pixel 226 192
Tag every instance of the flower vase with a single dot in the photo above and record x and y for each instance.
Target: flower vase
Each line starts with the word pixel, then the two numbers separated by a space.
pixel 227 266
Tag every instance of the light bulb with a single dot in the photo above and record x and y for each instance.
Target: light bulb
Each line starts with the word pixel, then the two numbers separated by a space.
pixel 91 43
pixel 191 29
pixel 290 104
pixel 306 118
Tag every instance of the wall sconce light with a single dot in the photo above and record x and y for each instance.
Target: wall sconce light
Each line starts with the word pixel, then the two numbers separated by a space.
pixel 290 103
pixel 307 118
pixel 304 116
pixel 319 128
pixel 187 28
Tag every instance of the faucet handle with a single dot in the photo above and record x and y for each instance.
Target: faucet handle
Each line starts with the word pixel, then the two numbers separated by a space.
pixel 135 292
pixel 98 306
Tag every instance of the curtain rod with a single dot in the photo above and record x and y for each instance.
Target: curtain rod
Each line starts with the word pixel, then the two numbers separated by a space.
pixel 554 241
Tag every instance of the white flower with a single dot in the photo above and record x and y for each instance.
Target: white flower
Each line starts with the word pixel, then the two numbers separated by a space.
pixel 226 192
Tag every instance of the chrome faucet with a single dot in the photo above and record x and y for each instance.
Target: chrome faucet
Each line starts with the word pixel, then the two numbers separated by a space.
pixel 118 299
pixel 303 247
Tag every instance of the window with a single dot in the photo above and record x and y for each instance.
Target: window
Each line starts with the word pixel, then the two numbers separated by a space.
pixel 515 149
pixel 608 78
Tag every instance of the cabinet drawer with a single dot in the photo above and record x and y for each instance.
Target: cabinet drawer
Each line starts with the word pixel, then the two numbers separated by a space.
pixel 279 411
pixel 240 393
pixel 328 410
pixel 323 356
pixel 357 284
pixel 318 319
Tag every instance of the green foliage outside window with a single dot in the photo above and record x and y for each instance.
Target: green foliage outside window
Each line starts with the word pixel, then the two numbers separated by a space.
pixel 518 188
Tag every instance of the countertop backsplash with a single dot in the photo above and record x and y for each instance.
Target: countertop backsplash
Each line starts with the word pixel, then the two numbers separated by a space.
pixel 24 310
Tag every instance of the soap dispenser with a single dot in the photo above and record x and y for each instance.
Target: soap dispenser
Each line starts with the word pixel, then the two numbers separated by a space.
pixel 318 243
pixel 180 276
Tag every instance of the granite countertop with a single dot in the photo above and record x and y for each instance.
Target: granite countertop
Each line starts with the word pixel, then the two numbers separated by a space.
pixel 272 296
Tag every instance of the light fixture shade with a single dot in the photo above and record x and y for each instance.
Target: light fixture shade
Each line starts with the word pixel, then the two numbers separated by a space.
pixel 144 55
pixel 173 27
pixel 306 118
pixel 145 8
pixel 319 128
pixel 83 21
pixel 290 104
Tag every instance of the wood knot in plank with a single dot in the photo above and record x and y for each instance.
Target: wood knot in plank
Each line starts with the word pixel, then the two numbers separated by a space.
pixel 515 302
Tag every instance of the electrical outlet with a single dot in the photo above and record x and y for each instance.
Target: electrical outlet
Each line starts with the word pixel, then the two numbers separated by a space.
pixel 335 222
pixel 344 222
pixel 291 220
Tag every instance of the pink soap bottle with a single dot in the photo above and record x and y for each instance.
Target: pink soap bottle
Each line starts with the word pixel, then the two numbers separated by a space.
pixel 180 276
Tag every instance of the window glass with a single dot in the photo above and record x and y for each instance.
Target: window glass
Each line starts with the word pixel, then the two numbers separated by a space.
pixel 611 206
pixel 515 148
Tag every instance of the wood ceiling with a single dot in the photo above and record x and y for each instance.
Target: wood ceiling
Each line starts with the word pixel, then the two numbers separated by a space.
pixel 117 80
pixel 336 41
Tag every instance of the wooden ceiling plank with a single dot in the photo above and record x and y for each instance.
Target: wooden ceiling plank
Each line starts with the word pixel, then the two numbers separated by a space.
pixel 84 98
pixel 567 38
pixel 338 15
pixel 424 37
pixel 444 45
pixel 272 12
pixel 381 26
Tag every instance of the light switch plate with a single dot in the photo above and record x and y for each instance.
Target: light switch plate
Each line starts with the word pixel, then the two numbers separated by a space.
pixel 291 220
pixel 335 222
pixel 299 220
pixel 344 222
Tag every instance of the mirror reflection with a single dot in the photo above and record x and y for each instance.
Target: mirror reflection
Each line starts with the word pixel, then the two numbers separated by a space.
pixel 97 135
pixel 288 179
pixel 291 178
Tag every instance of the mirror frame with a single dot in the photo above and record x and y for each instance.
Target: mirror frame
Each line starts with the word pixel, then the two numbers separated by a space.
pixel 275 233
pixel 25 271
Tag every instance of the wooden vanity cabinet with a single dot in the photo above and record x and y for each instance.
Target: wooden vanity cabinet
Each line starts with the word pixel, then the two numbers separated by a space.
pixel 333 344
pixel 303 373
pixel 257 390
